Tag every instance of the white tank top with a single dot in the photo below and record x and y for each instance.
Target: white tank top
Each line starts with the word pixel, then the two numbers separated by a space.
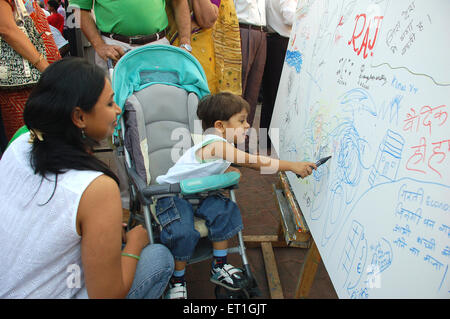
pixel 189 166
pixel 40 246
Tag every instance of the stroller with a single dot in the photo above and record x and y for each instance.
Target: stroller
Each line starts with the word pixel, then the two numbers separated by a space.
pixel 158 88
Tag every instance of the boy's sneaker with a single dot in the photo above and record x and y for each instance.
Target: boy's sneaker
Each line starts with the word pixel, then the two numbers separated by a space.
pixel 228 276
pixel 177 290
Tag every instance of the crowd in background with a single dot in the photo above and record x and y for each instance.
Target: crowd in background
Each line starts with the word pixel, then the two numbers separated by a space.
pixel 241 47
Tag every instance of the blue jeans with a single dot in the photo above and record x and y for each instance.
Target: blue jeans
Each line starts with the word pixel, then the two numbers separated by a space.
pixel 153 272
pixel 176 216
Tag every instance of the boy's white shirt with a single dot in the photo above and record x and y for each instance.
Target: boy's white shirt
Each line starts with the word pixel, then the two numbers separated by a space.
pixel 188 166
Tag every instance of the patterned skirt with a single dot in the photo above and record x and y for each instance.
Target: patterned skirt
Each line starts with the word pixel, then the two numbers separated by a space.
pixel 12 104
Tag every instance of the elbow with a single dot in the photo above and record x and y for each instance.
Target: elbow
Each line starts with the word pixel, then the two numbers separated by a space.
pixel 207 22
pixel 208 18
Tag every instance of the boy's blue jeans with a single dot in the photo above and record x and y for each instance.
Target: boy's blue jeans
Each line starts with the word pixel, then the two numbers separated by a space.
pixel 176 216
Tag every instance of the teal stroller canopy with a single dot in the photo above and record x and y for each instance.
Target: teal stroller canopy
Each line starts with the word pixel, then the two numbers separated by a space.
pixel 153 64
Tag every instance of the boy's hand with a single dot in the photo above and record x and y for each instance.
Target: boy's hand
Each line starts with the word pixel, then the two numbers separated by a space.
pixel 303 169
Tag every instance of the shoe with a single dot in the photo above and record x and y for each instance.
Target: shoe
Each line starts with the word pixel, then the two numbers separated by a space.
pixel 228 276
pixel 176 290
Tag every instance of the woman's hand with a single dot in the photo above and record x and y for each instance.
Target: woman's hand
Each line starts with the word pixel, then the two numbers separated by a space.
pixel 137 238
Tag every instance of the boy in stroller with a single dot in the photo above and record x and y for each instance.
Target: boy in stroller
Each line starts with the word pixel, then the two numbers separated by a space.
pixel 224 120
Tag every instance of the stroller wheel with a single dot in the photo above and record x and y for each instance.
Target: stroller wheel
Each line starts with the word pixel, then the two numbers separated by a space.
pixel 223 293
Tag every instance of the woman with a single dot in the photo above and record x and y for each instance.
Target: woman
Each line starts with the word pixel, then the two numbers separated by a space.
pixel 215 43
pixel 12 102
pixel 61 213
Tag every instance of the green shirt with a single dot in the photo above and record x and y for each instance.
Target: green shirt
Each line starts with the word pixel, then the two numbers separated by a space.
pixel 127 17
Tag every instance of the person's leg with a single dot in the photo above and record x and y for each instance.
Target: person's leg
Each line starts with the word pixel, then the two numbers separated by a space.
pixel 220 252
pixel 224 221
pixel 247 59
pixel 276 51
pixel 257 54
pixel 153 272
pixel 176 216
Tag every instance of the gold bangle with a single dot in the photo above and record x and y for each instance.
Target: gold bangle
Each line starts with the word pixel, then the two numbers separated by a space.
pixel 41 57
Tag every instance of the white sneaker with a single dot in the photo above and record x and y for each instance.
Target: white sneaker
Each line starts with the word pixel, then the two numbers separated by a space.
pixel 177 290
pixel 227 276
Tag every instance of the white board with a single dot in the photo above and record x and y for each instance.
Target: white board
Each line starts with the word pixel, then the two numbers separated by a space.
pixel 368 82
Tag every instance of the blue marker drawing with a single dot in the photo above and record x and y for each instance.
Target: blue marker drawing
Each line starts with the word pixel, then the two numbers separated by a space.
pixel 358 99
pixel 382 256
pixel 294 59
pixel 388 158
pixel 353 259
pixel 443 278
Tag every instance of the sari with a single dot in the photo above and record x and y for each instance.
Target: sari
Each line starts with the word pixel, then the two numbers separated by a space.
pixel 218 49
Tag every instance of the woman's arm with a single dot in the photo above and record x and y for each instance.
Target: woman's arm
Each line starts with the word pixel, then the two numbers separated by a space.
pixel 17 39
pixel 99 222
pixel 205 13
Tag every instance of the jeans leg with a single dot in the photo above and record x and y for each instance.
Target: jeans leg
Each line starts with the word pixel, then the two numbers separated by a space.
pixel 153 272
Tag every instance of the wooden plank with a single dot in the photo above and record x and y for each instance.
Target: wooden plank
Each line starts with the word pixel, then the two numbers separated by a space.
pixel 308 272
pixel 255 241
pixel 273 279
pixel 298 215
pixel 288 230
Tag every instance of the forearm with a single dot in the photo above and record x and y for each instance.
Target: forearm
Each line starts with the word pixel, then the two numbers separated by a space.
pixel 17 39
pixel 20 42
pixel 89 29
pixel 129 264
pixel 267 164
pixel 182 20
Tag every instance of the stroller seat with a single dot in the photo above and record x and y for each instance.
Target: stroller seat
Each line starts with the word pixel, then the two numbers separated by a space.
pixel 158 88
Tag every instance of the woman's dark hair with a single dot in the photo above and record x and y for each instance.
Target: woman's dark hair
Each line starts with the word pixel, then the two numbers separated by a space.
pixel 65 84
pixel 220 107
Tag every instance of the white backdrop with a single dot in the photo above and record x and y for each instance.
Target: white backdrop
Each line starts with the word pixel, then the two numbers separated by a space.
pixel 368 82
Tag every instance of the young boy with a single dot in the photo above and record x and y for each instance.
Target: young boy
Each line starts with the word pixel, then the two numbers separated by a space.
pixel 224 119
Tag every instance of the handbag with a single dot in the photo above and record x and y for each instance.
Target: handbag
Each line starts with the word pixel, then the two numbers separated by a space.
pixel 16 72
